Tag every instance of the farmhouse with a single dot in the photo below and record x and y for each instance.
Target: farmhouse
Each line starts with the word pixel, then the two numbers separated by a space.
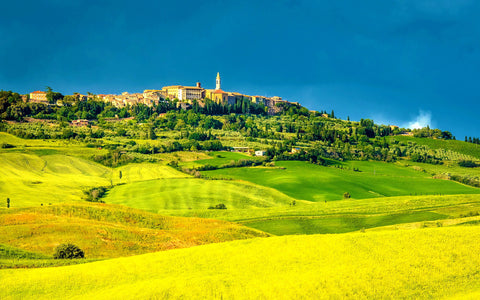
pixel 296 149
pixel 260 152
pixel 80 122
pixel 38 97
pixel 241 149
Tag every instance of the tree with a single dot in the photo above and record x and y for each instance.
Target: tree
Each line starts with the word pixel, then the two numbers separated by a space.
pixel 151 133
pixel 68 251
pixel 52 96
pixel 69 100
pixel 346 195
pixel 8 202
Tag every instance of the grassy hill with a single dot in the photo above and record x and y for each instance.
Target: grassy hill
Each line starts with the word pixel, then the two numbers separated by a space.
pixel 53 173
pixel 305 181
pixel 106 231
pixel 218 158
pixel 346 215
pixel 193 193
pixel 389 264
pixel 32 180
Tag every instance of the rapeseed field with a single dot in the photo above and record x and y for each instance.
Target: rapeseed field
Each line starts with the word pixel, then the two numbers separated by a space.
pixel 398 264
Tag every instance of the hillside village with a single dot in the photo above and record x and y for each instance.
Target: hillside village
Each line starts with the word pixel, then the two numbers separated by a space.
pixel 184 96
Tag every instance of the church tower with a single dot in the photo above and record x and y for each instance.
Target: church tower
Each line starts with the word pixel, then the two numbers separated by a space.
pixel 217 86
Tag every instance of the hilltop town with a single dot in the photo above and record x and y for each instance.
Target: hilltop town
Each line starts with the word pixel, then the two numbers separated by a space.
pixel 183 96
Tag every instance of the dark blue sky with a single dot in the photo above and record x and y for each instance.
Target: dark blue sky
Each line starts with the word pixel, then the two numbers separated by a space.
pixel 396 61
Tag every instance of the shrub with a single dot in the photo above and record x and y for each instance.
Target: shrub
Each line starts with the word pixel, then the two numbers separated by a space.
pixel 95 194
pixel 218 206
pixel 6 146
pixel 68 251
pixel 346 195
pixel 467 164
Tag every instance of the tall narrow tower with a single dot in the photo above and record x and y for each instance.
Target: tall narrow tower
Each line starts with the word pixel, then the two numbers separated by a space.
pixel 217 86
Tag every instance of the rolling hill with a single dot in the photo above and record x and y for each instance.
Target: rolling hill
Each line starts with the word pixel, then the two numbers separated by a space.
pixel 32 180
pixel 193 193
pixel 310 182
pixel 388 264
pixel 105 231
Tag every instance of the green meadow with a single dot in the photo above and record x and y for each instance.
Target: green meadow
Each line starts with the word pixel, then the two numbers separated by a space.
pixel 218 158
pixel 339 223
pixel 34 180
pixel 194 193
pixel 30 180
pixel 305 181
pixel 346 215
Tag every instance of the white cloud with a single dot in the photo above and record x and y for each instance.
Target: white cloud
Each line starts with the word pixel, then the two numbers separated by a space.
pixel 423 119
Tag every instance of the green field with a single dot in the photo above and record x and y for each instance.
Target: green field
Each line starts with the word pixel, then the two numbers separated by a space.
pixel 145 171
pixel 310 182
pixel 338 224
pixel 193 193
pixel 414 264
pixel 219 158
pixel 346 215
pixel 32 180
pixel 48 147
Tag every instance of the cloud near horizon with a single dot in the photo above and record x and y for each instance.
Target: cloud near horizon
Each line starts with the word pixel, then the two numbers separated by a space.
pixel 423 119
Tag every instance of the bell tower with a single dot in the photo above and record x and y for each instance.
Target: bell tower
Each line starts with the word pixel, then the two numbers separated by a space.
pixel 217 86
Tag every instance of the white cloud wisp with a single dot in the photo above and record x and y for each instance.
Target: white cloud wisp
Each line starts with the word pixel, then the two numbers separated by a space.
pixel 423 119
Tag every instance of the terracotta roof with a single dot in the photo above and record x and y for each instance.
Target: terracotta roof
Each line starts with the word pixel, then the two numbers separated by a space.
pixel 192 88
pixel 38 92
pixel 172 86
pixel 219 91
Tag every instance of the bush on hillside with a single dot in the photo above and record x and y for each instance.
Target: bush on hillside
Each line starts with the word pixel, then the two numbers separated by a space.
pixel 218 206
pixel 95 194
pixel 115 158
pixel 68 251
pixel 6 146
pixel 468 164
